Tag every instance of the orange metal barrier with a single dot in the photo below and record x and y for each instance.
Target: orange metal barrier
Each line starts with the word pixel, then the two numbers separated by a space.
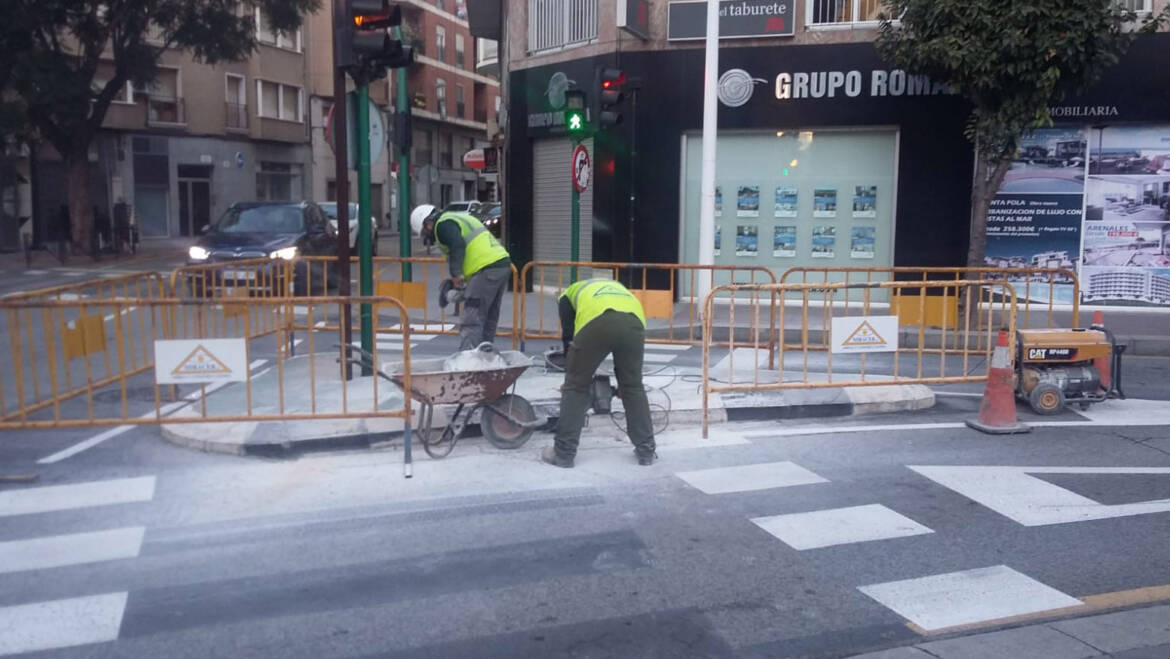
pixel 1039 290
pixel 547 279
pixel 55 378
pixel 233 285
pixel 420 294
pixel 135 286
pixel 950 354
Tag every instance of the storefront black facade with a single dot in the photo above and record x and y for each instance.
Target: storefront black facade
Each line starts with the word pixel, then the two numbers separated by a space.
pixel 935 160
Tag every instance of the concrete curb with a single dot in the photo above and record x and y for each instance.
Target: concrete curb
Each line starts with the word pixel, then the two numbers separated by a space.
pixel 240 438
pixel 1101 635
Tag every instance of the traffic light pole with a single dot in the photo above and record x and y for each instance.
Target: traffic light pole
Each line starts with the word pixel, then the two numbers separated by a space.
pixel 365 249
pixel 574 218
pixel 404 232
pixel 341 174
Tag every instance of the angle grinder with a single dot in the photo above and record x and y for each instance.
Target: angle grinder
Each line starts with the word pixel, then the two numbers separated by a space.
pixel 449 294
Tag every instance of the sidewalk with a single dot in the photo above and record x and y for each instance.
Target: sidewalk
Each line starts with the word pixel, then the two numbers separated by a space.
pixel 1134 634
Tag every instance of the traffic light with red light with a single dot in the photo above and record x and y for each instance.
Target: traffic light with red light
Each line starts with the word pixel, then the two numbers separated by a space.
pixel 364 45
pixel 611 85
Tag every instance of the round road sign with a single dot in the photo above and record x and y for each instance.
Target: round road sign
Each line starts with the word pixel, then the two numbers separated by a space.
pixel 580 168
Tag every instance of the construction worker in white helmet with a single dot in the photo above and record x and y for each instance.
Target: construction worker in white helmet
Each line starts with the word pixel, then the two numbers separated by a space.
pixel 478 263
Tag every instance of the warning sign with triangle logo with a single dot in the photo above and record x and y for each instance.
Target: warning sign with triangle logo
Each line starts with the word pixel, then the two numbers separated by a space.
pixel 201 362
pixel 865 334
pixel 182 361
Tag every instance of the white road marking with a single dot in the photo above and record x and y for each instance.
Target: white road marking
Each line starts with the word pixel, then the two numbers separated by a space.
pixel 109 434
pixel 61 623
pixel 840 526
pixel 747 478
pixel 826 430
pixel 257 363
pixel 672 347
pixel 70 549
pixel 297 342
pixel 967 597
pixel 1014 493
pixel 36 273
pixel 90 494
pixel 73 273
pixel 123 312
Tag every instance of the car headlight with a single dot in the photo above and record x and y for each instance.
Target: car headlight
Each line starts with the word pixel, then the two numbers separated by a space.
pixel 287 253
pixel 197 253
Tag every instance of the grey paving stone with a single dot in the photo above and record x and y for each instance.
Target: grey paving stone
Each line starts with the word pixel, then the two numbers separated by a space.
pixel 1034 642
pixel 908 652
pixel 1118 632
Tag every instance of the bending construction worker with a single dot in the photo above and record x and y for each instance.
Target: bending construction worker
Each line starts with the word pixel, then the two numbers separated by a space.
pixel 478 263
pixel 599 317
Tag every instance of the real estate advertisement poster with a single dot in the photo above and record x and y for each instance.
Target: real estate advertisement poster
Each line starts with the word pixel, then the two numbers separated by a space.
pixel 747 201
pixel 1034 221
pixel 865 201
pixel 861 245
pixel 784 241
pixel 825 202
pixel 824 242
pixel 1126 234
pixel 785 202
pixel 747 240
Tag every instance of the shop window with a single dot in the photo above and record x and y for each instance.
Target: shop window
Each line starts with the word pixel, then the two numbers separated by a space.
pixel 554 24
pixel 278 181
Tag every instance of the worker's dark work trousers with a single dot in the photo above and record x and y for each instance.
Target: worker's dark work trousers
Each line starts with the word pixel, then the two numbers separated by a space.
pixel 622 334
pixel 481 306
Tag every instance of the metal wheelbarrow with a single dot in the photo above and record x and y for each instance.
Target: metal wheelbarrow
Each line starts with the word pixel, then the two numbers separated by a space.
pixel 507 420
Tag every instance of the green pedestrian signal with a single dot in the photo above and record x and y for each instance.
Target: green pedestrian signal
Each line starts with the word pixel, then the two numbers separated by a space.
pixel 575 120
pixel 575 117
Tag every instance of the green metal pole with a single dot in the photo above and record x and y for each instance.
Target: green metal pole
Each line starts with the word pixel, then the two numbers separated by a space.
pixel 575 221
pixel 365 249
pixel 402 106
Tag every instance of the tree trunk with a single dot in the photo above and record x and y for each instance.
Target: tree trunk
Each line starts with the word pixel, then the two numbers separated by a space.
pixel 983 188
pixel 80 214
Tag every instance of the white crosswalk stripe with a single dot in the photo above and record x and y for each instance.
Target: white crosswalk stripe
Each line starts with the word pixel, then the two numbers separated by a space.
pixel 68 622
pixel 70 549
pixel 61 623
pixel 76 495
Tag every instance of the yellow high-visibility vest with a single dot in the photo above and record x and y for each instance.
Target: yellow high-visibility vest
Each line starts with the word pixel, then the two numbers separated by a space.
pixel 482 247
pixel 592 297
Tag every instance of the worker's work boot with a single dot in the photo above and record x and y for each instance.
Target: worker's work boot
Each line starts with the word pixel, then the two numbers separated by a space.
pixel 549 455
pixel 646 459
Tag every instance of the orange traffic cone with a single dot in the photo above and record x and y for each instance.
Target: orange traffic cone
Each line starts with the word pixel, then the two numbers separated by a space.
pixel 997 413
pixel 1104 365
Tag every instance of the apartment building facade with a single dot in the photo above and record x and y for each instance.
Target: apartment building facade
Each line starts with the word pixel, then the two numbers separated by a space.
pixel 453 110
pixel 825 149
pixel 174 156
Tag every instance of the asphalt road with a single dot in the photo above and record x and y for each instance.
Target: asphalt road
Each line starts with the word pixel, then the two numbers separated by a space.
pixel 760 542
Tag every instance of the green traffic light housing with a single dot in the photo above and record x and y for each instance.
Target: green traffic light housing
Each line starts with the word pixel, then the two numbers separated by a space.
pixel 576 121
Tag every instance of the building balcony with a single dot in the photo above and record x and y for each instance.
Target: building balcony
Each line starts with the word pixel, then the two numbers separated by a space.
pixel 163 111
pixel 235 116
pixel 487 57
pixel 125 116
pixel 281 130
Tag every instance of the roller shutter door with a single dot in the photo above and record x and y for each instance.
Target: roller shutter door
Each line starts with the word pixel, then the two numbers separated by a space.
pixel 551 192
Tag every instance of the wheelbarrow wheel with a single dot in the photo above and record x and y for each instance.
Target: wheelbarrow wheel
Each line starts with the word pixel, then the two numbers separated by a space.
pixel 503 432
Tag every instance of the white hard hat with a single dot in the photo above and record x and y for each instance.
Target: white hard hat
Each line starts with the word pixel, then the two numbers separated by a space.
pixel 418 216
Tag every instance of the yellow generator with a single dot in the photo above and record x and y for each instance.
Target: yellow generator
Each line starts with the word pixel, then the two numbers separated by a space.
pixel 1059 366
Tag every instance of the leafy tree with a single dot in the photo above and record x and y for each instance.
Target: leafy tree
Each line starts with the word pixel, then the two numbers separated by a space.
pixel 1011 61
pixel 50 52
